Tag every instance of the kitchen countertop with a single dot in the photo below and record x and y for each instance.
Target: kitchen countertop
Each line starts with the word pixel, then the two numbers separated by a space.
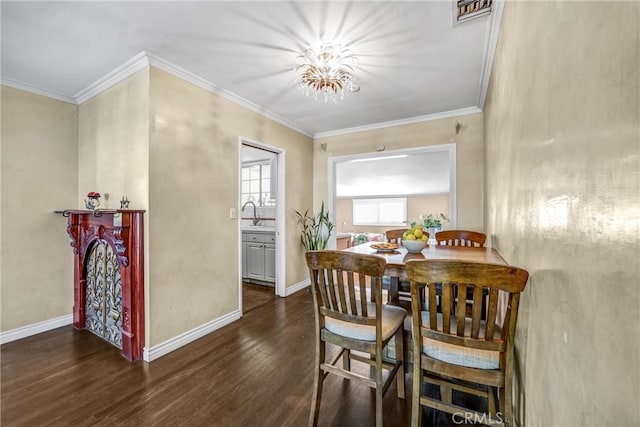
pixel 258 229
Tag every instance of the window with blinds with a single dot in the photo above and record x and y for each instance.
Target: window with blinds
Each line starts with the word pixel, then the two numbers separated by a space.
pixel 380 211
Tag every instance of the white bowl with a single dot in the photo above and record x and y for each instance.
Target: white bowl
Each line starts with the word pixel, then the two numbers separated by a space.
pixel 414 246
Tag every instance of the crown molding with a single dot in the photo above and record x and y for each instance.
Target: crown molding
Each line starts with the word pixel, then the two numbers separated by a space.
pixel 145 59
pixel 202 83
pixel 38 91
pixel 135 64
pixel 401 122
pixel 139 62
pixel 491 43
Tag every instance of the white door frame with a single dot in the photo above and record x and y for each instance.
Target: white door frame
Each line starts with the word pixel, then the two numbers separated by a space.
pixel 331 178
pixel 280 288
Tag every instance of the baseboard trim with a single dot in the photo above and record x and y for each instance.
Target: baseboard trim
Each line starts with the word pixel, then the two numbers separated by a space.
pixel 35 328
pixel 297 287
pixel 157 351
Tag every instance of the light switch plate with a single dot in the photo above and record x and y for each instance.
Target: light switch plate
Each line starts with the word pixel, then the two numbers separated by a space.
pixel 232 213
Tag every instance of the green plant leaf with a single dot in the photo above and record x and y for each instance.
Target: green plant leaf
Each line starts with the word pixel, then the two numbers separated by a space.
pixel 316 229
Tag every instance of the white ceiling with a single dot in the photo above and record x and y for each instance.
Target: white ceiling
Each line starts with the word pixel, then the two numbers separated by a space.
pixel 413 61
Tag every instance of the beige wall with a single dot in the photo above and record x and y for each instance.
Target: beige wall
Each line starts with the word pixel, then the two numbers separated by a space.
pixel 39 175
pixel 173 149
pixel 469 150
pixel 113 137
pixel 114 143
pixel 562 160
pixel 416 205
pixel 193 176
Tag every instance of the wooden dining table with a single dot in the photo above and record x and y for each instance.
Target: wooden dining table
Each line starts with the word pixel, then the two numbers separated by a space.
pixel 396 261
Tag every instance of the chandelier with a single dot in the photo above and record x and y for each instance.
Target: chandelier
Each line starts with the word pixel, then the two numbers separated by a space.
pixel 327 72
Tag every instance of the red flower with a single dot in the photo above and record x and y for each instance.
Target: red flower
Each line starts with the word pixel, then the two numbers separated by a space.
pixel 93 195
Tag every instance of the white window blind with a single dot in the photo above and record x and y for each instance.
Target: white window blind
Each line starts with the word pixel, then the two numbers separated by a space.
pixel 382 211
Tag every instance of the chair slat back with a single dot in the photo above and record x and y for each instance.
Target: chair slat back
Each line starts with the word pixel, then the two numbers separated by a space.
pixel 340 281
pixel 461 238
pixel 461 322
pixel 395 236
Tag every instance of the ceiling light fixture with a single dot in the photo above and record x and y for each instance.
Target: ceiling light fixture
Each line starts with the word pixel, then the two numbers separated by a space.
pixel 469 9
pixel 326 72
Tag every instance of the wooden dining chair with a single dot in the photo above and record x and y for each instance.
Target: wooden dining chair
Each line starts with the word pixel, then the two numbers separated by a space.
pixel 457 350
pixel 395 236
pixel 461 238
pixel 397 287
pixel 347 296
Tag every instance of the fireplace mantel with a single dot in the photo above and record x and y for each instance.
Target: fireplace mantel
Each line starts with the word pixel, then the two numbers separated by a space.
pixel 122 231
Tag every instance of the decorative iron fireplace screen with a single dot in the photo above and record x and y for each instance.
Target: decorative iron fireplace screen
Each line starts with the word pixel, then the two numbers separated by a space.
pixel 103 294
pixel 108 275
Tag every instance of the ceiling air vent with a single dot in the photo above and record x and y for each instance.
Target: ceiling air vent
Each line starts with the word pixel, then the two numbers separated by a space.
pixel 469 9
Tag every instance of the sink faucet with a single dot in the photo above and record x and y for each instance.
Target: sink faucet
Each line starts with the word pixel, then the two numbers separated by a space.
pixel 256 218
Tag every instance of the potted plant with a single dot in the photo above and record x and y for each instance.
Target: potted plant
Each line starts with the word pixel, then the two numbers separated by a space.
pixel 316 230
pixel 432 223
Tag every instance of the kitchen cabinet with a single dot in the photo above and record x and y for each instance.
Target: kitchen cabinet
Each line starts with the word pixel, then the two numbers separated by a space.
pixel 244 258
pixel 259 256
pixel 343 242
pixel 270 262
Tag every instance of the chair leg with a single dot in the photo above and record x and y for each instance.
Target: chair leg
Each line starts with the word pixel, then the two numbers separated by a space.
pixel 318 379
pixel 507 406
pixel 400 358
pixel 491 401
pixel 346 359
pixel 379 385
pixel 416 409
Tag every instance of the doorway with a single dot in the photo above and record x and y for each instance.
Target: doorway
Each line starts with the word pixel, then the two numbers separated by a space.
pixel 412 181
pixel 260 228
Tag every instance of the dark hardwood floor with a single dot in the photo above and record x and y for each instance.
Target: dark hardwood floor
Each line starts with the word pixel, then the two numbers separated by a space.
pixel 254 372
pixel 254 296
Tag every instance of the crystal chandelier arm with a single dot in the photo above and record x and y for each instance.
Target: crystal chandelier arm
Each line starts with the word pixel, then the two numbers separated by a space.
pixel 329 71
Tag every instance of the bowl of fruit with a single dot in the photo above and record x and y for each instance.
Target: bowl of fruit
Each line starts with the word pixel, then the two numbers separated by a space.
pixel 415 239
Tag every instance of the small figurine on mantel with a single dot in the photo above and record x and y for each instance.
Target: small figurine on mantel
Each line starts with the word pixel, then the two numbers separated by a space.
pixel 93 202
pixel 124 203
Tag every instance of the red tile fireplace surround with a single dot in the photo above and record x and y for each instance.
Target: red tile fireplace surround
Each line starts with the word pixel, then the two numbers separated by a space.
pixel 109 243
